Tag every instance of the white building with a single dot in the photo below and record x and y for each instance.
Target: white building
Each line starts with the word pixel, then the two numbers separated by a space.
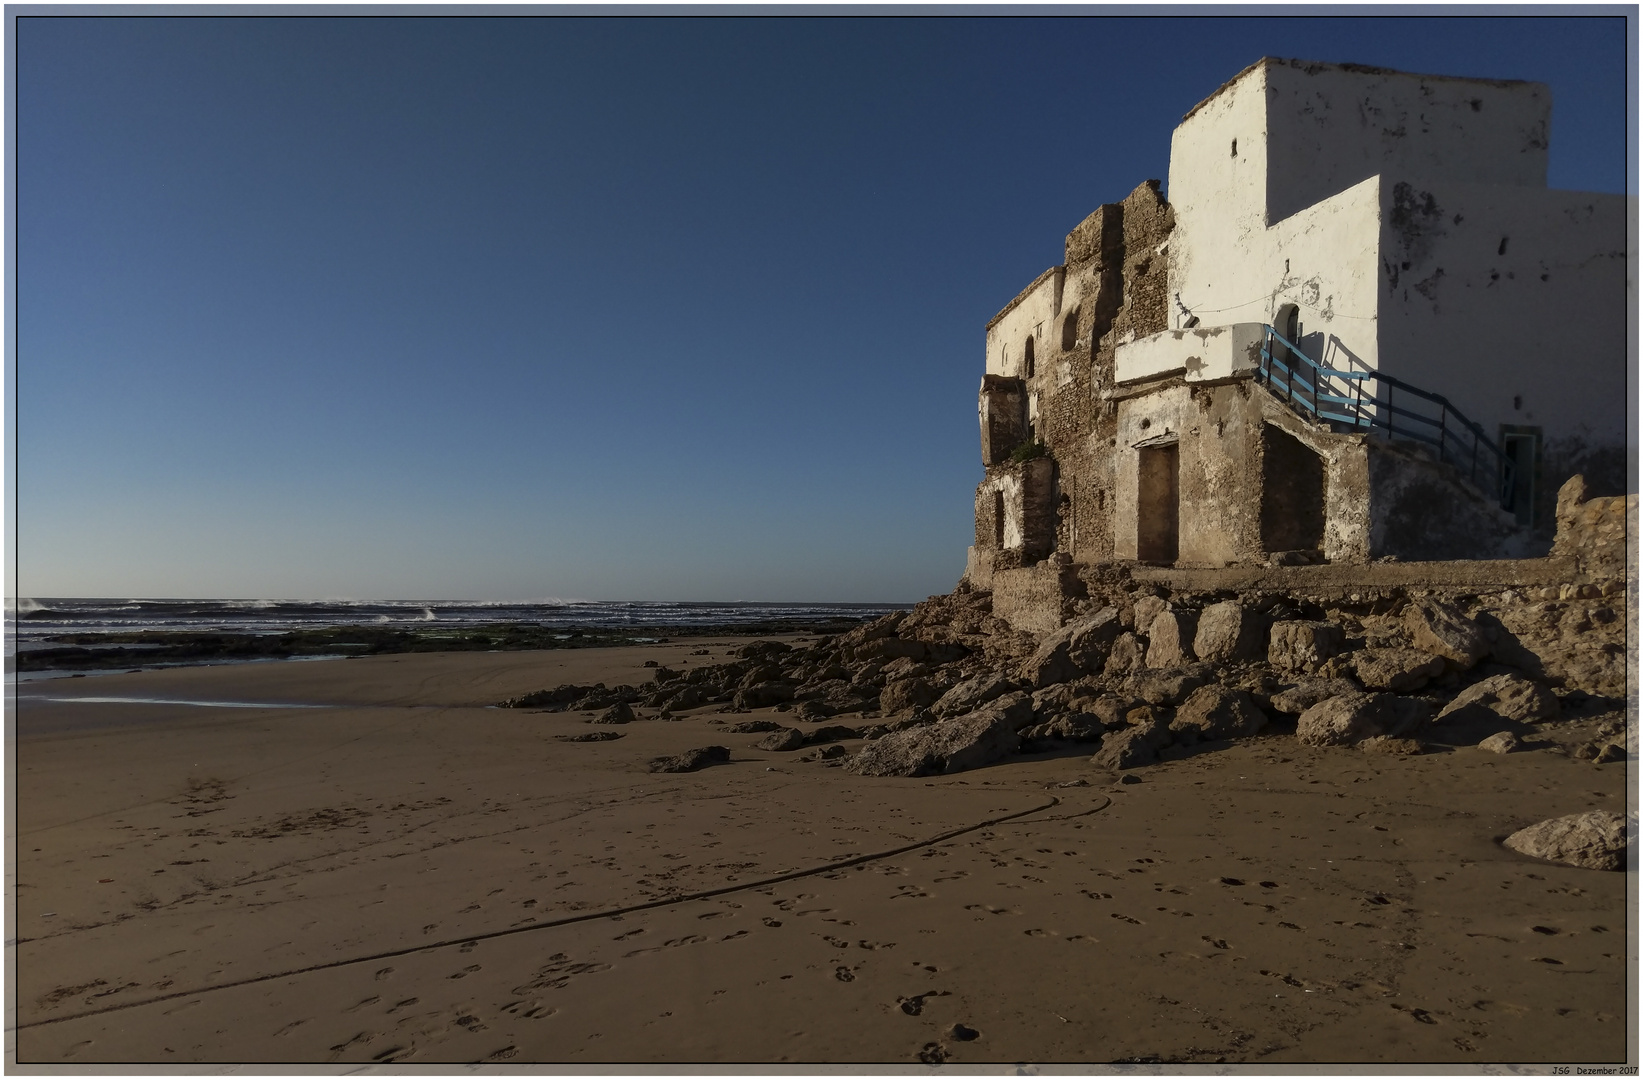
pixel 1397 231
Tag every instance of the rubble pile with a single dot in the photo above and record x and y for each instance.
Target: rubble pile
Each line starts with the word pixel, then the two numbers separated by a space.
pixel 1141 674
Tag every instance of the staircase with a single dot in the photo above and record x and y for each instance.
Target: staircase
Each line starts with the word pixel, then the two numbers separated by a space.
pixel 1393 409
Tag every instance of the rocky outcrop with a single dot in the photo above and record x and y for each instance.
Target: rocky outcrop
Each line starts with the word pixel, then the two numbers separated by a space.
pixel 1596 840
pixel 1440 629
pixel 1352 718
pixel 1395 669
pixel 1301 646
pixel 948 746
pixel 1502 697
pixel 1227 632
pixel 1080 648
pixel 690 760
pixel 1215 712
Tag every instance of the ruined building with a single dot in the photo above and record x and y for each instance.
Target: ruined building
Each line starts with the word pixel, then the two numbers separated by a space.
pixel 1361 327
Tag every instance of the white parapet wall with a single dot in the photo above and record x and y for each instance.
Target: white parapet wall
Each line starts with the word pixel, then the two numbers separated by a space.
pixel 1202 354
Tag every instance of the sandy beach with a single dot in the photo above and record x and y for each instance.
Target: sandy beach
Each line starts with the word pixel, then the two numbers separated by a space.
pixel 407 875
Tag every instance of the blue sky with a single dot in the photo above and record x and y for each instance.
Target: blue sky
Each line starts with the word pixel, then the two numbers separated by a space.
pixel 621 308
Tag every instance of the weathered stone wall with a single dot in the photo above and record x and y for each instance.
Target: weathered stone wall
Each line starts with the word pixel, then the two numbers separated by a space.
pixel 1037 599
pixel 1420 509
pixel 1003 412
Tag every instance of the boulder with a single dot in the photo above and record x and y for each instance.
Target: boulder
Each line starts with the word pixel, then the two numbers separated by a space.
pixel 1215 712
pixel 662 674
pixel 1226 633
pixel 1126 655
pixel 1077 649
pixel 759 650
pixel 785 739
pixel 1395 669
pixel 1440 629
pixel 1501 742
pixel 1170 639
pixel 690 760
pixel 825 753
pixel 890 648
pixel 813 710
pixel 763 695
pixel 1351 718
pixel 558 697
pixel 688 698
pixel 1508 697
pixel 904 695
pixel 1302 645
pixel 619 713
pixel 1307 693
pixel 1595 840
pixel 962 742
pixel 905 667
pixel 835 732
pixel 1136 744
pixel 1146 609
pixel 1167 687
pixel 753 727
pixel 1070 727
pixel 972 693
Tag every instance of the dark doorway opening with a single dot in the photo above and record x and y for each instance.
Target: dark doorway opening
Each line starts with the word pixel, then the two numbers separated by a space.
pixel 1520 443
pixel 1158 504
pixel 1292 493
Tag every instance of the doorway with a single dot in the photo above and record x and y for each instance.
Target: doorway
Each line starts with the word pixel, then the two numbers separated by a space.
pixel 1520 443
pixel 1292 493
pixel 1158 504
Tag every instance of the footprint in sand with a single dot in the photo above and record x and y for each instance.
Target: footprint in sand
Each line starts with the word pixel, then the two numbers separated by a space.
pixel 383 973
pixel 844 974
pixel 465 972
pixel 1096 895
pixel 289 1028
pixel 362 1003
pixel 932 1054
pixel 403 1004
pixel 1126 918
pixel 835 942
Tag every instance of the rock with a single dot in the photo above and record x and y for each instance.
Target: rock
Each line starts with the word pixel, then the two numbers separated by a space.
pixel 905 667
pixel 1147 608
pixel 813 710
pixel 1595 840
pixel 1351 718
pixel 1609 752
pixel 1070 727
pixel 619 713
pixel 559 696
pixel 835 732
pixel 1079 648
pixel 785 739
pixel 825 753
pixel 904 695
pixel 661 674
pixel 890 648
pixel 962 742
pixel 1226 632
pixel 1396 669
pixel 1127 654
pixel 972 694
pixel 1307 693
pixel 1167 687
pixel 1501 742
pixel 1170 640
pixel 1509 697
pixel 691 760
pixel 753 727
pixel 592 736
pixel 1440 629
pixel 1215 712
pixel 763 695
pixel 1110 710
pixel 1386 744
pixel 759 650
pixel 1137 744
pixel 1302 645
pixel 688 698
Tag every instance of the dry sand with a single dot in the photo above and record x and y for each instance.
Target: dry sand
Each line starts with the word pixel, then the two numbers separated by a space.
pixel 221 885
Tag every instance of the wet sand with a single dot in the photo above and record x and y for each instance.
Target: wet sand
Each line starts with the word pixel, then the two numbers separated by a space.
pixel 411 877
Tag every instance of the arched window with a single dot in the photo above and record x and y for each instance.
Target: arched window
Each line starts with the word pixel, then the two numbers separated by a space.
pixel 1027 358
pixel 1069 331
pixel 1288 323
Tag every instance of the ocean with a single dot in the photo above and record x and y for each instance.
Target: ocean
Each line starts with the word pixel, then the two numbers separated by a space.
pixel 33 623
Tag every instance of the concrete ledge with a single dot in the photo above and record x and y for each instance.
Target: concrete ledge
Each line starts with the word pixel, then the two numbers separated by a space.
pixel 1347 577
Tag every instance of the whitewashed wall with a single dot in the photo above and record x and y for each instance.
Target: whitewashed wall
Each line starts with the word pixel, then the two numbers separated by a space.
pixel 1511 302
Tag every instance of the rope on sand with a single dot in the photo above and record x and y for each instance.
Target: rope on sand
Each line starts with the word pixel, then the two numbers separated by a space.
pixel 686 898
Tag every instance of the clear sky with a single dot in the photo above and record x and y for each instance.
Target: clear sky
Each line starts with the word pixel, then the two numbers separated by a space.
pixel 612 308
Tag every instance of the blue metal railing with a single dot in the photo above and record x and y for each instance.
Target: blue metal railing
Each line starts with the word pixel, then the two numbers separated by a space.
pixel 1391 407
